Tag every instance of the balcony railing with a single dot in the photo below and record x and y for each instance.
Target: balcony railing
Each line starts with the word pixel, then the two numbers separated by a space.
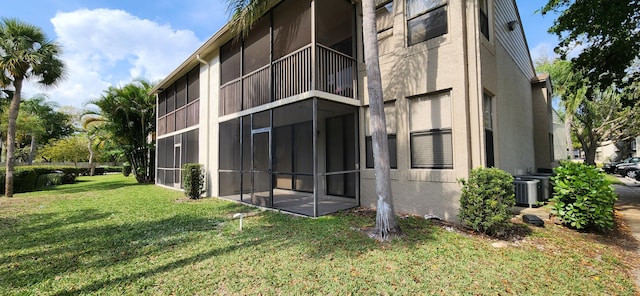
pixel 292 74
pixel 289 76
pixel 231 97
pixel 335 72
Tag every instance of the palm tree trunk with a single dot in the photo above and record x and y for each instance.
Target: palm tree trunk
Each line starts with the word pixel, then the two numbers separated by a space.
pixel 32 150
pixel 386 222
pixel 92 167
pixel 14 107
pixel 1 145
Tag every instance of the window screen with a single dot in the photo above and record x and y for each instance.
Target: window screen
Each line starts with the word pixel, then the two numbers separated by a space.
pixel 257 47
pixel 181 92
pixel 430 131
pixel 335 25
pixel 291 27
pixel 426 20
pixel 192 146
pixel 162 104
pixel 193 89
pixel 229 61
pixel 229 154
pixel 171 98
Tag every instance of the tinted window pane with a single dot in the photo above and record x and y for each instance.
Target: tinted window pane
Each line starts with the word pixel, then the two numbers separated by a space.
pixel 432 150
pixel 393 152
pixel 427 26
pixel 417 7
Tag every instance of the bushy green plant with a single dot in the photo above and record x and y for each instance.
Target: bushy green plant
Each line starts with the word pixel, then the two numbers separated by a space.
pixel 27 178
pixel 193 180
pixel 111 169
pixel 51 179
pixel 126 169
pixel 486 200
pixel 583 197
pixel 24 180
pixel 70 174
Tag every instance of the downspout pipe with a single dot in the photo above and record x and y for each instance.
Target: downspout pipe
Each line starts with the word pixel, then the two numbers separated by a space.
pixel 208 121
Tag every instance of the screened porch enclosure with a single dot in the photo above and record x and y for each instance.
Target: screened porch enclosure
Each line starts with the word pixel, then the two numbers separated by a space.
pixel 285 54
pixel 300 158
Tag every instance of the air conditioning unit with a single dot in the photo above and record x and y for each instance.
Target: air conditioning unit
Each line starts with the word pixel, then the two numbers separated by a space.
pixel 545 188
pixel 526 191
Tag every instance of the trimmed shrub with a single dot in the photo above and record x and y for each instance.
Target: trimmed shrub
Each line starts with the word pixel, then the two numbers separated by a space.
pixel 193 180
pixel 87 171
pixel 51 179
pixel 111 168
pixel 583 198
pixel 28 178
pixel 486 200
pixel 70 174
pixel 126 169
pixel 24 180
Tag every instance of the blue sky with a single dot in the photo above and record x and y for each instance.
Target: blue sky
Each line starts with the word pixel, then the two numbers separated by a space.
pixel 110 42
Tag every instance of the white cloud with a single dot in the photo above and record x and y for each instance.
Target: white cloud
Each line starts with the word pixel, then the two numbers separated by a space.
pixel 104 47
pixel 543 50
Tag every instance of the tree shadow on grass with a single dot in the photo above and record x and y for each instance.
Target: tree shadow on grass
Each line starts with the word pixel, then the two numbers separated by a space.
pixel 43 246
pixel 90 185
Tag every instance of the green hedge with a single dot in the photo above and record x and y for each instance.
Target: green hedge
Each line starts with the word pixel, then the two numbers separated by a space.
pixel 30 178
pixel 87 171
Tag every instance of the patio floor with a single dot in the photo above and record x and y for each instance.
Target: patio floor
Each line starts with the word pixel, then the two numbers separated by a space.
pixel 298 202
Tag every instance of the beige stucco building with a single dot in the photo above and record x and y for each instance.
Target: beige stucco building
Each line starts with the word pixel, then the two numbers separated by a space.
pixel 280 118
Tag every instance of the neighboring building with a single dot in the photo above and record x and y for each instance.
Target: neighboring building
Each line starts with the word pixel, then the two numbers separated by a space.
pixel 280 119
pixel 560 148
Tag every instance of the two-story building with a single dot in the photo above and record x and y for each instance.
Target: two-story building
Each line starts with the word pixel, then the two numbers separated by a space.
pixel 279 118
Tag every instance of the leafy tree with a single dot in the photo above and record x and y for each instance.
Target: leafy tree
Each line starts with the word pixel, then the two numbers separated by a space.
pixel 246 13
pixel 25 53
pixel 566 84
pixel 593 114
pixel 72 149
pixel 54 124
pixel 609 31
pixel 128 114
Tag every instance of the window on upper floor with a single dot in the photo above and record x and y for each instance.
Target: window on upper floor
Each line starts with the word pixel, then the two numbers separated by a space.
pixel 384 15
pixel 430 131
pixel 426 19
pixel 384 25
pixel 390 118
pixel 484 18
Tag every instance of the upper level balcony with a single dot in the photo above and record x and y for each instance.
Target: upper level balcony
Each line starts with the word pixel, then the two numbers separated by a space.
pixel 284 55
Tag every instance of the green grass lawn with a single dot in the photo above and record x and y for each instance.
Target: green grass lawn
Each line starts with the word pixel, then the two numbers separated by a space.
pixel 613 179
pixel 109 235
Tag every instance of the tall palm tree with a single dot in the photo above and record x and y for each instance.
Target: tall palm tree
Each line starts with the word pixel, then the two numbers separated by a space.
pixel 246 12
pixel 128 114
pixel 25 53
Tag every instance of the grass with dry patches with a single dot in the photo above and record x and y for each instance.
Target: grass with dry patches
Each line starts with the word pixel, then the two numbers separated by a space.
pixel 109 235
